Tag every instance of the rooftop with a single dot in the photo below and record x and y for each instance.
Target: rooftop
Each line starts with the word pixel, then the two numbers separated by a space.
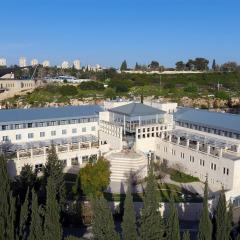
pixel 136 109
pixel 224 121
pixel 50 113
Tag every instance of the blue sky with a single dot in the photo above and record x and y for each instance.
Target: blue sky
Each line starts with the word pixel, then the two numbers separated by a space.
pixel 109 31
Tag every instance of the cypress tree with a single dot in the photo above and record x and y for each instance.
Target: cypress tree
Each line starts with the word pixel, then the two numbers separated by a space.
pixel 186 235
pixel 24 218
pixel 223 223
pixel 129 231
pixel 36 227
pixel 52 226
pixel 173 231
pixel 123 66
pixel 151 220
pixel 103 225
pixel 54 169
pixel 205 224
pixel 7 204
pixel 214 65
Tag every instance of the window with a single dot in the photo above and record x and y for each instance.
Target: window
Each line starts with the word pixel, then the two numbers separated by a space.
pixel 173 152
pixel 74 161
pixel 5 138
pixel 139 130
pixel 148 135
pixel 4 127
pixel 84 159
pixel 143 129
pixel 143 135
pixel 225 171
pixel 38 168
pixel 93 128
pixel 152 128
pixel 30 135
pixel 29 125
pixel 42 134
pixel 213 166
pixel 84 129
pixel 152 134
pixel 64 132
pixel 74 130
pixel 191 159
pixel 53 133
pixel 182 155
pixel 202 162
pixel 139 136
pixel 64 162
pixel 18 136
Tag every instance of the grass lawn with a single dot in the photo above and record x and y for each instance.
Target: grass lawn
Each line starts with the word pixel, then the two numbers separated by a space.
pixel 165 191
pixel 181 177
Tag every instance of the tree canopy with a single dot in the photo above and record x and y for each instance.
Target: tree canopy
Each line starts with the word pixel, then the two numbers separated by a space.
pixel 94 178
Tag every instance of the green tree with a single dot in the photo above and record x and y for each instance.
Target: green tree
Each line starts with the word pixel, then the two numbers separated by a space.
pixel 129 231
pixel 201 64
pixel 54 168
pixel 223 222
pixel 68 90
pixel 7 204
pixel 173 231
pixel 36 227
pixel 154 65
pixel 180 66
pixel 109 93
pixel 94 178
pixel 186 235
pixel 205 223
pixel 91 85
pixel 151 221
pixel 24 218
pixel 123 66
pixel 103 225
pixel 25 180
pixel 52 225
pixel 214 65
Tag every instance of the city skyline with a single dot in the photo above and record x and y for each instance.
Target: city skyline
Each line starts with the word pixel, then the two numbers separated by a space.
pixel 166 31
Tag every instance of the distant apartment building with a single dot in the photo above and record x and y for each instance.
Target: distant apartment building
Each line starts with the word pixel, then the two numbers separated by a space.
pixel 76 64
pixel 22 62
pixel 3 62
pixel 46 63
pixel 65 64
pixel 34 62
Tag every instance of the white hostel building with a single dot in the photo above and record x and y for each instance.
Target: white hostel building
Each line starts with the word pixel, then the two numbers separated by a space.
pixel 200 142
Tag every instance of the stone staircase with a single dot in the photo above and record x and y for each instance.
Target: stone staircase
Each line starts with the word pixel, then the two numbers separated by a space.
pixel 124 163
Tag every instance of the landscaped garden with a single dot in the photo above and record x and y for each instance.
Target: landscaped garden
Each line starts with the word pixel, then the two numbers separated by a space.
pixel 181 177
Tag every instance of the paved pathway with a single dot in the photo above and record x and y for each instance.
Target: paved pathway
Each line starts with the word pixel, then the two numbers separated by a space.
pixel 195 187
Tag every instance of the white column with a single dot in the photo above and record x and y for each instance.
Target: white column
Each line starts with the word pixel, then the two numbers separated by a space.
pixel 139 120
pixel 31 152
pixel 238 148
pixel 170 138
pixel 220 152
pixel 208 149
pixel 178 140
pixel 187 143
pixel 79 145
pixel 68 147
pixel 197 146
pixel 124 124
